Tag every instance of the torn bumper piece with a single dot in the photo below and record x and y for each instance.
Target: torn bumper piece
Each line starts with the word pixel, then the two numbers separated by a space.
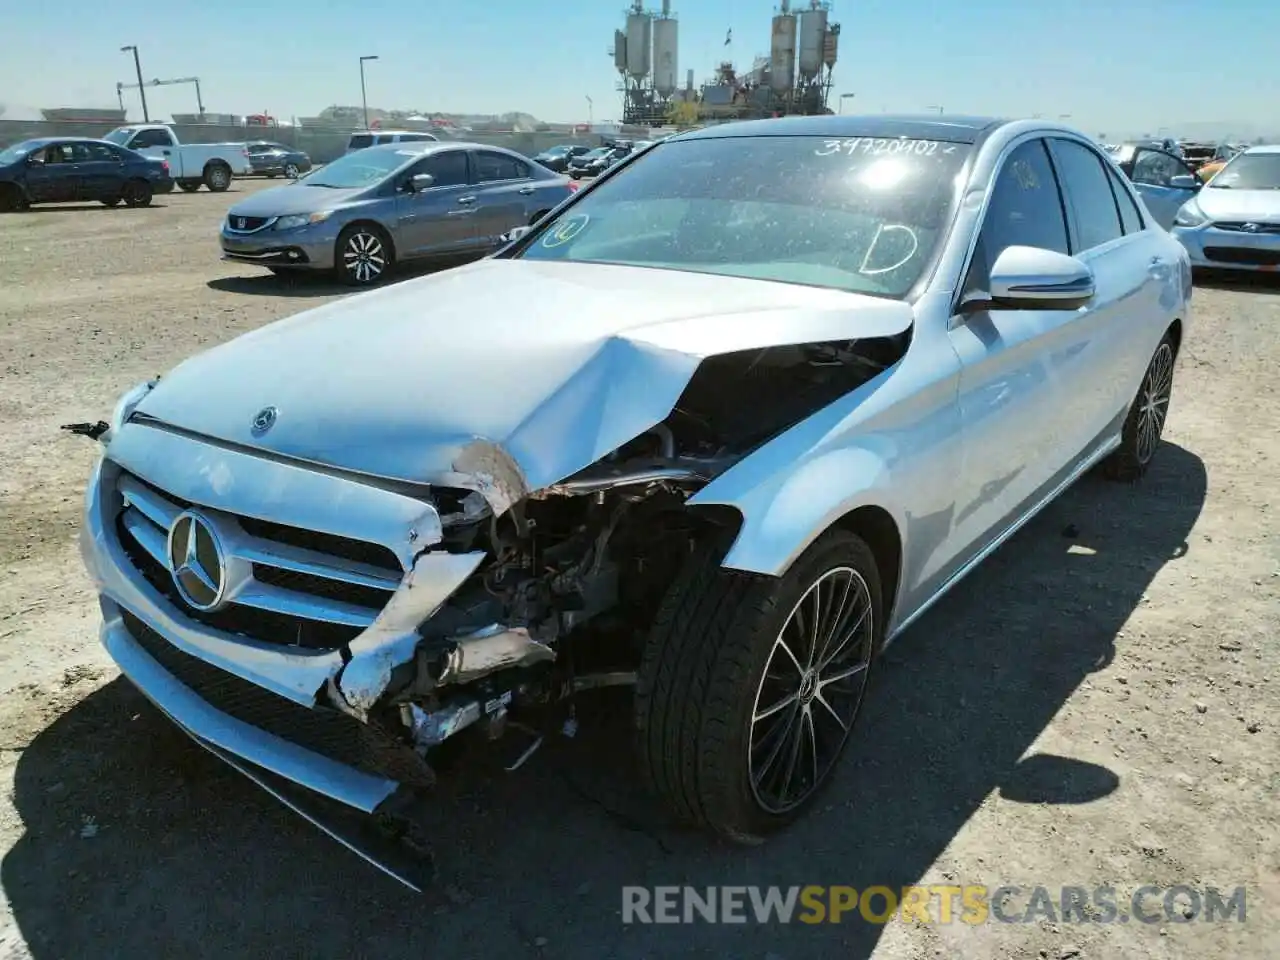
pixel 277 765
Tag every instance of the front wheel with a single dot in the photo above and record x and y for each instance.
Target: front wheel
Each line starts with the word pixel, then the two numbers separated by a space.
pixel 291 171
pixel 1144 425
pixel 749 687
pixel 363 255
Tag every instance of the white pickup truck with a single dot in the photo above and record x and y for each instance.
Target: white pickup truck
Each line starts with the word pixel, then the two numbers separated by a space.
pixel 190 164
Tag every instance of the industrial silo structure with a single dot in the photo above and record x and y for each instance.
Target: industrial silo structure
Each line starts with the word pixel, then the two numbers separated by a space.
pixel 813 37
pixel 665 53
pixel 831 46
pixel 639 42
pixel 620 51
pixel 782 50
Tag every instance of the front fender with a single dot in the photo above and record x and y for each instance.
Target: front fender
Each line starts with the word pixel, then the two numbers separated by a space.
pixel 784 515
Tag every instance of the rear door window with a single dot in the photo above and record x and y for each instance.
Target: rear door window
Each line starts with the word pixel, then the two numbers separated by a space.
pixel 492 166
pixel 360 140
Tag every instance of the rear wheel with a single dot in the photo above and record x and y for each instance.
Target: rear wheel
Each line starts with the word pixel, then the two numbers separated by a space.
pixel 291 171
pixel 1144 425
pixel 749 686
pixel 189 186
pixel 362 255
pixel 137 193
pixel 217 177
pixel 11 198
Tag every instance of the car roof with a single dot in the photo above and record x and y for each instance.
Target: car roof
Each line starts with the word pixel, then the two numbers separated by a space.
pixel 45 141
pixel 432 146
pixel 389 133
pixel 954 129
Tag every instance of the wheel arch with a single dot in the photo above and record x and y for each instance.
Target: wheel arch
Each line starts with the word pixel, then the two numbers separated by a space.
pixel 877 527
pixel 1175 335
pixel 214 162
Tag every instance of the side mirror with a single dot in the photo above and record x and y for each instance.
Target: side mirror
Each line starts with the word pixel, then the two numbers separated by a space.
pixel 1185 182
pixel 514 234
pixel 421 181
pixel 1029 278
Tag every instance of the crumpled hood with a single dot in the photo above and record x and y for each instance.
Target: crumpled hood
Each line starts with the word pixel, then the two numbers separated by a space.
pixel 1260 205
pixel 296 197
pixel 517 371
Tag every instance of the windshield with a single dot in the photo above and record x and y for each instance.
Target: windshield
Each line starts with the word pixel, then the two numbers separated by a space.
pixel 597 152
pixel 363 168
pixel 17 151
pixel 1250 171
pixel 120 135
pixel 860 214
pixel 556 151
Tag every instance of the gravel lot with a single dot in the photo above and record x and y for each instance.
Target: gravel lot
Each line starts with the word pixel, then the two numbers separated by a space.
pixel 1095 706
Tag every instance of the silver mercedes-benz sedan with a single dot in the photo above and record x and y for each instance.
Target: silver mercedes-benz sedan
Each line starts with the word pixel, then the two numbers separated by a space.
pixel 358 216
pixel 720 428
pixel 1233 222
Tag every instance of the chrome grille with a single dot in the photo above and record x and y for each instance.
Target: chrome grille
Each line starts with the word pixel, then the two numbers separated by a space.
pixel 287 585
pixel 1247 226
pixel 238 224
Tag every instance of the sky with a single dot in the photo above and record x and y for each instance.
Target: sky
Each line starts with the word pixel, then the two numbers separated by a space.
pixel 1122 65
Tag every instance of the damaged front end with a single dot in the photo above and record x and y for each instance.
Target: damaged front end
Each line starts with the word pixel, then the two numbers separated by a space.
pixel 360 625
pixel 572 573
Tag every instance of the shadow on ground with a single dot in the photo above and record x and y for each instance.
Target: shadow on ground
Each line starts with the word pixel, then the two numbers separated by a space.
pixel 191 860
pixel 1239 280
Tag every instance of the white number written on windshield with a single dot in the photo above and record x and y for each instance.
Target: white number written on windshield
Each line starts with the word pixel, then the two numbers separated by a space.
pixel 874 146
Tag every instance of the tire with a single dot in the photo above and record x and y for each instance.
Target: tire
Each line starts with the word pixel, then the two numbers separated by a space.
pixel 363 255
pixel 291 171
pixel 217 177
pixel 189 186
pixel 1144 425
pixel 11 199
pixel 702 680
pixel 137 193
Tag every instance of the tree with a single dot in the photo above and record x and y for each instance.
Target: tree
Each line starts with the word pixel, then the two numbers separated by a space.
pixel 682 113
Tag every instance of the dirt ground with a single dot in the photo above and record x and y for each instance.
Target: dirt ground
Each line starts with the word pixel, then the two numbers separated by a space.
pixel 1095 706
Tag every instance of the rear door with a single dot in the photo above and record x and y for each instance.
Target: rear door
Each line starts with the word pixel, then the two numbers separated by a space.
pixel 102 172
pixel 1130 268
pixel 1164 182
pixel 505 194
pixel 441 220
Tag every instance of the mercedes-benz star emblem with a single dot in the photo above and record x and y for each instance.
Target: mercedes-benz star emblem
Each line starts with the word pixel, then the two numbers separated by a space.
pixel 196 561
pixel 264 420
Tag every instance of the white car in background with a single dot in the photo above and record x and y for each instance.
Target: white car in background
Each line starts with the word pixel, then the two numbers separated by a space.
pixel 190 164
pixel 1233 222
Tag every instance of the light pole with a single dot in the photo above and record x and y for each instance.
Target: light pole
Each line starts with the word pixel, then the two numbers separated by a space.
pixel 364 99
pixel 591 111
pixel 843 98
pixel 137 66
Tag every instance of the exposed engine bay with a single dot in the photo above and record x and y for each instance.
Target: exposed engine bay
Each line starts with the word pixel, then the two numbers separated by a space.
pixel 576 571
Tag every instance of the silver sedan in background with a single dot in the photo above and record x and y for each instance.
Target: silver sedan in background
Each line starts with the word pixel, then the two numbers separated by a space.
pixel 402 201
pixel 1234 222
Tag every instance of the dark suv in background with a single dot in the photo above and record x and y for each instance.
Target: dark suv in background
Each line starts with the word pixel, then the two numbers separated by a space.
pixel 558 158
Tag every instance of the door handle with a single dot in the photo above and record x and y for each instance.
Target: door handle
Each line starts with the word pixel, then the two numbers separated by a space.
pixel 466 199
pixel 168 153
pixel 526 190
